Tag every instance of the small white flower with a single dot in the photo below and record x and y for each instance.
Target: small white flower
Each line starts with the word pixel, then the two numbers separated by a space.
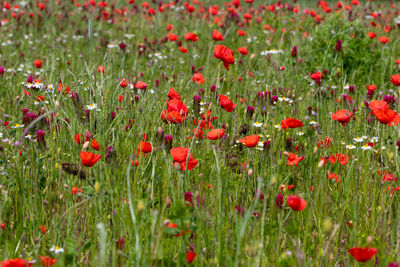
pixel 358 140
pixel 374 139
pixel 272 52
pixel 366 147
pixel 364 137
pixel 17 126
pixel 56 249
pixel 383 147
pixel 313 123
pixel 277 126
pixel 350 146
pixel 257 124
pixel 112 45
pixel 91 106
pixel 300 133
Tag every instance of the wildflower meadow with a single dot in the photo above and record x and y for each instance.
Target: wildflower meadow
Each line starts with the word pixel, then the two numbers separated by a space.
pixel 199 132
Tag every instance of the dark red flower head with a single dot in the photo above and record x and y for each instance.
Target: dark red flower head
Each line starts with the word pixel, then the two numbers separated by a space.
pixel 225 54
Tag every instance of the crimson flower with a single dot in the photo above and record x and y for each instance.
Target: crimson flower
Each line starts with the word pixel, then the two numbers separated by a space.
pixel 225 54
pixel 291 123
pixel 226 103
pixel 296 203
pixel 88 159
pixel 363 254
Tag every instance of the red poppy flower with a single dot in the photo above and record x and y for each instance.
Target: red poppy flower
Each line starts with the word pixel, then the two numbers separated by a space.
pixel 183 49
pixel 172 37
pixel 79 139
pixel 191 164
pixel 226 103
pixel 296 203
pixel 293 159
pixel 179 154
pixel 243 51
pixel 331 176
pixel 326 142
pixel 363 254
pixel 190 36
pixel 378 104
pixel 177 105
pixel 88 159
pixel 47 261
pixel 372 35
pixel 241 33
pixel 198 77
pixel 190 256
pixel 100 69
pixel 225 54
pixel 172 94
pixel 371 87
pixel 37 64
pixel 95 145
pixel 395 79
pixel 339 158
pixel 342 116
pixel 317 76
pixel 199 134
pixel 145 147
pixel 387 116
pixel 124 83
pixel 140 85
pixel 215 134
pixel 250 141
pixel 15 263
pixel 291 123
pixel 217 36
pixel 383 39
pixel 174 117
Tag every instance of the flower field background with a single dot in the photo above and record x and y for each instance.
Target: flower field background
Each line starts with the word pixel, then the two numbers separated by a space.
pixel 242 133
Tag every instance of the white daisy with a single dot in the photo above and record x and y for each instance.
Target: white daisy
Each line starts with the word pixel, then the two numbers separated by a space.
pixel 91 106
pixel 257 124
pixel 300 133
pixel 374 139
pixel 17 126
pixel 313 123
pixel 366 147
pixel 56 249
pixel 277 126
pixel 358 140
pixel 350 146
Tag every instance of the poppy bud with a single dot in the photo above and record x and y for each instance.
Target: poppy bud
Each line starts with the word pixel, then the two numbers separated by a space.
pixel 121 243
pixel 279 200
pixel 294 51
pixel 196 104
pixel 168 141
pixel 74 169
pixel 338 46
pixel 351 88
pixel 267 145
pixel 250 112
pixel 213 88
pixel 2 70
pixel 188 197
pixel 30 79
pixel 122 46
pixel 40 138
pixel 289 143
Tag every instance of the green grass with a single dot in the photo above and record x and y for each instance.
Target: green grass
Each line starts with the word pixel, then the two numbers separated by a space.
pixel 120 218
